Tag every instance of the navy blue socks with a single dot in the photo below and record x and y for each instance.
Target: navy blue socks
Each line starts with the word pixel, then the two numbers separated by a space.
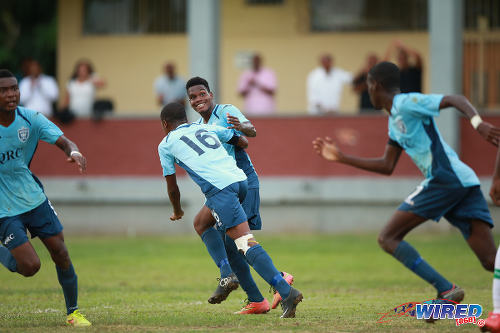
pixel 215 246
pixel 406 254
pixel 69 283
pixel 7 259
pixel 262 263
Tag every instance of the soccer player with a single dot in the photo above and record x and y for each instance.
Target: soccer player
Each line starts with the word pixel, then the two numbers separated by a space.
pixel 493 320
pixel 197 148
pixel 450 189
pixel 23 204
pixel 227 115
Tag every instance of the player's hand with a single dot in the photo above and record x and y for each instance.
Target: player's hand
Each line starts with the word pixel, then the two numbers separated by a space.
pixel 489 132
pixel 79 159
pixel 327 149
pixel 495 191
pixel 177 215
pixel 234 121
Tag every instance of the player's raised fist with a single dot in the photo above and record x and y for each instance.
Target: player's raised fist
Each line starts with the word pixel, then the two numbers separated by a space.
pixel 489 132
pixel 326 148
pixel 79 159
pixel 177 215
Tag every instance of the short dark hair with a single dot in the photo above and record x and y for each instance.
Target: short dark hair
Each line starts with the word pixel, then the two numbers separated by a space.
pixel 196 81
pixel 5 73
pixel 173 112
pixel 387 74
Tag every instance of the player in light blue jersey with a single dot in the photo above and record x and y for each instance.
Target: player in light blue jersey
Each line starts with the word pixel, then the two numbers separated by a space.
pixel 227 115
pixel 450 189
pixel 23 204
pixel 197 148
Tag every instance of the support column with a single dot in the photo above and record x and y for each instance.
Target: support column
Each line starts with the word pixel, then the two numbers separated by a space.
pixel 203 31
pixel 446 56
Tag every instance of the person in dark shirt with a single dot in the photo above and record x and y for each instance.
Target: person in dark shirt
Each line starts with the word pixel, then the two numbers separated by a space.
pixel 410 65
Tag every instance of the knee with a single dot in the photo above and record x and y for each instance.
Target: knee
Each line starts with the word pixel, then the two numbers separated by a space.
pixel 386 243
pixel 60 255
pixel 198 225
pixel 489 263
pixel 245 242
pixel 29 268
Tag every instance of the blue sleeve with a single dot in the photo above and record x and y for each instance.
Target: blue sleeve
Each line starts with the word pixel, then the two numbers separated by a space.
pixel 235 112
pixel 166 160
pixel 47 130
pixel 421 105
pixel 224 134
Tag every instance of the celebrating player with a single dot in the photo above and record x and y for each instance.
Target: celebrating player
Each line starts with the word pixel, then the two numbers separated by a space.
pixel 23 204
pixel 197 149
pixel 227 115
pixel 450 189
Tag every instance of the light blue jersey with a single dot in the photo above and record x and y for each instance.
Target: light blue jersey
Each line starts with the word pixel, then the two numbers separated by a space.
pixel 20 191
pixel 197 149
pixel 219 117
pixel 412 127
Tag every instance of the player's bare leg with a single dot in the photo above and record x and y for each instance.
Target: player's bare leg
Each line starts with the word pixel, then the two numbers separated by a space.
pixel 204 225
pixel 67 278
pixel 258 258
pixel 482 243
pixel 27 261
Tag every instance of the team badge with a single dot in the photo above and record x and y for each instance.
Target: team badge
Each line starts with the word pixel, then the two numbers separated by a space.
pixel 23 134
pixel 400 125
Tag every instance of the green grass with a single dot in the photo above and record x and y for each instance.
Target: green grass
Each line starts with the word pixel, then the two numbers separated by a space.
pixel 162 283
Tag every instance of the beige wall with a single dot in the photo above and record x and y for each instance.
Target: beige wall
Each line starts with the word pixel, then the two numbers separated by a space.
pixel 280 33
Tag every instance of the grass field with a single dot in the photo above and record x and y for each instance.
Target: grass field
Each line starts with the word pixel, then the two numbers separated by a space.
pixel 162 283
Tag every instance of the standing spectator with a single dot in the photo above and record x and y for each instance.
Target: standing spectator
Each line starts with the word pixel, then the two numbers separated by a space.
pixel 38 91
pixel 360 86
pixel 170 87
pixel 324 87
pixel 258 86
pixel 410 65
pixel 81 90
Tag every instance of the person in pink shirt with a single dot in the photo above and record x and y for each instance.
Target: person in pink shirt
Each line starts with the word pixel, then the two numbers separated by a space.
pixel 258 87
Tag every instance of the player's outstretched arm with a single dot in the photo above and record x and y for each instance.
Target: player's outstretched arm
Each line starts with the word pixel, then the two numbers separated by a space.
pixel 245 127
pixel 489 132
pixel 71 150
pixel 326 148
pixel 175 197
pixel 495 184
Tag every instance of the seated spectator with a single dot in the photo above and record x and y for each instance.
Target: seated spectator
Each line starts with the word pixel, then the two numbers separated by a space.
pixel 258 86
pixel 324 87
pixel 38 91
pixel 410 65
pixel 81 90
pixel 170 87
pixel 360 86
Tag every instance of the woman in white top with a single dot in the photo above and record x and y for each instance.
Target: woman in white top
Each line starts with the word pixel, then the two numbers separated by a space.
pixel 81 89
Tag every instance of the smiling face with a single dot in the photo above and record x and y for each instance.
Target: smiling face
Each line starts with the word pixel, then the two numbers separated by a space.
pixel 9 94
pixel 201 99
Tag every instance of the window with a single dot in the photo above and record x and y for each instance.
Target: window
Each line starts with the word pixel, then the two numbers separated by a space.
pixel 487 10
pixel 103 17
pixel 368 15
pixel 264 2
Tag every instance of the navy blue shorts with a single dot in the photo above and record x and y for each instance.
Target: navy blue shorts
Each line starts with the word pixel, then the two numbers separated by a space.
pixel 457 205
pixel 226 207
pixel 41 222
pixel 251 206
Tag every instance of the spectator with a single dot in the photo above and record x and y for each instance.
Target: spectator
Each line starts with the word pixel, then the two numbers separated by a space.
pixel 81 90
pixel 258 86
pixel 170 87
pixel 324 87
pixel 360 86
pixel 410 65
pixel 38 91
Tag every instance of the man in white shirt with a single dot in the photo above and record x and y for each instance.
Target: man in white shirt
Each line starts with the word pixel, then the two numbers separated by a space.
pixel 38 91
pixel 324 87
pixel 170 87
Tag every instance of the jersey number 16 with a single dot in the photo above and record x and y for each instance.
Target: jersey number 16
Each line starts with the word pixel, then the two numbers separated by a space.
pixel 202 136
